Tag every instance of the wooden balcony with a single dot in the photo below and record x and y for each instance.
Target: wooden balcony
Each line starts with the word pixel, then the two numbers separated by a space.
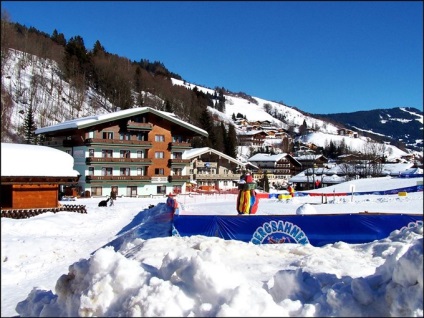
pixel 132 125
pixel 60 143
pixel 139 143
pixel 185 178
pixel 179 145
pixel 89 179
pixel 70 143
pixel 202 164
pixel 179 162
pixel 202 177
pixel 141 161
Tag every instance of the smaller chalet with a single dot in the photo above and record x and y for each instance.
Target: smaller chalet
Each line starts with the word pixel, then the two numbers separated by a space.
pixel 31 176
pixel 213 170
pixel 279 167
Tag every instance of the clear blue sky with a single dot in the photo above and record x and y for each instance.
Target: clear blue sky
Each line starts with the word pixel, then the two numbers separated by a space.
pixel 322 57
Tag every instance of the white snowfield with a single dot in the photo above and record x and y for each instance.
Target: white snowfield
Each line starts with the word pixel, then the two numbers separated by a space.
pixel 120 261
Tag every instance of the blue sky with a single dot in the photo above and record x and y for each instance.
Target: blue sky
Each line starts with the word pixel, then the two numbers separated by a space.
pixel 321 57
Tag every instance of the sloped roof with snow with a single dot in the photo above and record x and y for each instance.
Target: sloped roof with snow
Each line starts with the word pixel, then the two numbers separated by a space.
pixel 22 160
pixel 89 121
pixel 267 157
pixel 195 152
pixel 252 132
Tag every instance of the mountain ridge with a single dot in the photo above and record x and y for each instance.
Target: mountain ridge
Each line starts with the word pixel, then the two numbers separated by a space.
pixel 54 101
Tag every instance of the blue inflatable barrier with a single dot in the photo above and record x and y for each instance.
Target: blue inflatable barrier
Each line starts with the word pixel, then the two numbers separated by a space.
pixel 316 230
pixel 416 188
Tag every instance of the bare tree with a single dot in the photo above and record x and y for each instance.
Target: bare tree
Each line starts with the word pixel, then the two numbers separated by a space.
pixel 373 154
pixel 6 113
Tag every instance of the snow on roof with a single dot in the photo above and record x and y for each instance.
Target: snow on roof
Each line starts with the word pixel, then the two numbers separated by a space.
pixel 35 161
pixel 267 157
pixel 192 153
pixel 83 122
pixel 252 132
pixel 308 157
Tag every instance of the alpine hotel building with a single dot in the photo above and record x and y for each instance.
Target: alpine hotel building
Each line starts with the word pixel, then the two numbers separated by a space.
pixel 137 151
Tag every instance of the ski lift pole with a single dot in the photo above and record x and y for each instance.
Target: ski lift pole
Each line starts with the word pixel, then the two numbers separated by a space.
pixel 352 189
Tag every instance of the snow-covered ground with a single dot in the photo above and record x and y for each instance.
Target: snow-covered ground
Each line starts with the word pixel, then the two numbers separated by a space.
pixel 121 261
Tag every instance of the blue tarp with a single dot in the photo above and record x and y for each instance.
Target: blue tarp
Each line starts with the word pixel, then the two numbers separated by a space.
pixel 316 230
pixel 416 188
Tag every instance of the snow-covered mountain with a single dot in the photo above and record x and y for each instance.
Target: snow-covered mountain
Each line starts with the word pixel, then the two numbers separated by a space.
pixel 254 109
pixel 401 124
pixel 30 80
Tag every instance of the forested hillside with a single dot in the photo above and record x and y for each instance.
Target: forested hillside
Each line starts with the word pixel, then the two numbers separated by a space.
pixel 48 79
pixel 116 81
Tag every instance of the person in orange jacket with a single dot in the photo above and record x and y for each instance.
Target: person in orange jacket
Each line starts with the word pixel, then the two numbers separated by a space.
pixel 291 190
pixel 172 203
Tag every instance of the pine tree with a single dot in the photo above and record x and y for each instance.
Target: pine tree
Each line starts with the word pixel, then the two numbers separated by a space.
pixel 98 48
pixel 206 123
pixel 59 38
pixel 30 127
pixel 219 143
pixel 231 142
pixel 303 128
pixel 168 107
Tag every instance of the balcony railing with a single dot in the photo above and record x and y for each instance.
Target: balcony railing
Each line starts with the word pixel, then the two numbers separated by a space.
pixel 202 164
pixel 217 176
pixel 88 179
pixel 184 162
pixel 91 160
pixel 145 144
pixel 132 125
pixel 185 178
pixel 180 145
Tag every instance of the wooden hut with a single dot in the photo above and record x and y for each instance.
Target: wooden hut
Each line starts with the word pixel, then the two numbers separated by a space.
pixel 31 176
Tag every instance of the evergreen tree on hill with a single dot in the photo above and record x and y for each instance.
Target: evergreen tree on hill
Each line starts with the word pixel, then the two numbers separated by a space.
pixel 30 127
pixel 231 142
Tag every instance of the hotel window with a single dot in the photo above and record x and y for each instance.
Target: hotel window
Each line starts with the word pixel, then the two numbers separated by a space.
pixel 141 137
pixel 131 191
pixel 140 154
pixel 124 153
pixel 161 189
pixel 159 154
pixel 96 191
pixel 106 171
pixel 159 171
pixel 91 171
pixel 91 134
pixel 106 153
pixel 140 119
pixel 140 172
pixel 177 171
pixel 177 139
pixel 124 171
pixel 91 152
pixel 124 136
pixel 107 135
pixel 178 155
pixel 159 138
